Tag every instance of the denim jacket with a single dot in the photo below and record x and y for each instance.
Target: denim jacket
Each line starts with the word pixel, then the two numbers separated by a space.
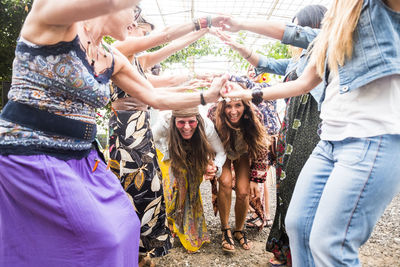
pixel 376 51
pixel 297 36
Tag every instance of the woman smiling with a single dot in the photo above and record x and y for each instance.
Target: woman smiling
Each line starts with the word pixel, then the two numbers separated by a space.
pixel 245 141
pixel 188 143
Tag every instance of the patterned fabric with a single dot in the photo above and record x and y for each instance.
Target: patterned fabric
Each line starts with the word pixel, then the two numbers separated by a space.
pixel 184 207
pixel 297 139
pixel 134 161
pixel 58 79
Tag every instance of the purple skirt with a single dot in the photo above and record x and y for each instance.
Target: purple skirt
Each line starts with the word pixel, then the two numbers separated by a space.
pixel 60 213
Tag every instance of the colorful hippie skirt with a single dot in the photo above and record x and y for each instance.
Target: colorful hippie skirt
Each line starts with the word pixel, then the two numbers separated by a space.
pixel 184 207
pixel 134 161
pixel 61 213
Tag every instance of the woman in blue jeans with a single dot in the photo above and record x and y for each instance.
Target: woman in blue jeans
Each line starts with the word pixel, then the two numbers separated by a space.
pixel 353 173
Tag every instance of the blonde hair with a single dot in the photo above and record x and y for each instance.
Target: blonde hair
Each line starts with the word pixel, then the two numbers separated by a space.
pixel 337 32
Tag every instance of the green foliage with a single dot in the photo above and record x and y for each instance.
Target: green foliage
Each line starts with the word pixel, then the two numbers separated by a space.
pixel 275 50
pixel 12 16
pixel 102 117
pixel 198 49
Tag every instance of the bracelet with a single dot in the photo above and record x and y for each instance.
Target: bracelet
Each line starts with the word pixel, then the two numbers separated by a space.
pixel 209 21
pixel 202 101
pixel 251 52
pixel 196 24
pixel 257 96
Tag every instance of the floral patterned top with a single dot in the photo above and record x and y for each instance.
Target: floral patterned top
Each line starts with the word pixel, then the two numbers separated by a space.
pixel 58 79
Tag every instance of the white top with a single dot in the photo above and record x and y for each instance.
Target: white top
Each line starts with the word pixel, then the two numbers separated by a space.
pixel 371 110
pixel 160 134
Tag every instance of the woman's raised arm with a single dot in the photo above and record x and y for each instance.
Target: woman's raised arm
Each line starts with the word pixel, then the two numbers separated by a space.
pixel 134 45
pixel 150 59
pixel 128 79
pixel 67 12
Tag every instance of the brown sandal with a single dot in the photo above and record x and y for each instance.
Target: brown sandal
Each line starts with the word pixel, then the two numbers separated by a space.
pixel 146 261
pixel 244 238
pixel 227 240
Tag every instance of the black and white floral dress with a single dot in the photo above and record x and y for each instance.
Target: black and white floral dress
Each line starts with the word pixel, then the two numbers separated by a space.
pixel 133 159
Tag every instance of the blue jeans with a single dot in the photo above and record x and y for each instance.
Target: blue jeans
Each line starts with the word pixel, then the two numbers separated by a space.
pixel 340 194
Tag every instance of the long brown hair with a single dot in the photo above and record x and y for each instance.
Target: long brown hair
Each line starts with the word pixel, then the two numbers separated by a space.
pixel 253 130
pixel 337 32
pixel 191 155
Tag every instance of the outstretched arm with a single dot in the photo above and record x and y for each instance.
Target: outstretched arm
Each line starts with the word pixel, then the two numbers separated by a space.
pixel 168 80
pixel 50 21
pixel 128 79
pixel 176 80
pixel 245 52
pixel 66 12
pixel 270 65
pixel 150 59
pixel 134 45
pixel 288 33
pixel 305 83
pixel 273 29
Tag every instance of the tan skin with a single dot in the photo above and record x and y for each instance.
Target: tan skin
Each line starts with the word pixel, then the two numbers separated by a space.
pixel 140 39
pixel 393 4
pixel 50 22
pixel 252 75
pixel 304 84
pixel 307 81
pixel 186 131
pixel 234 112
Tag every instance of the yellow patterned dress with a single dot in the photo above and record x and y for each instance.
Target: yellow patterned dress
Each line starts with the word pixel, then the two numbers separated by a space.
pixel 184 207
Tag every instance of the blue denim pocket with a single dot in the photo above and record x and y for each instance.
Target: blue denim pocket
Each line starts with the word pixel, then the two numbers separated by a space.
pixel 350 151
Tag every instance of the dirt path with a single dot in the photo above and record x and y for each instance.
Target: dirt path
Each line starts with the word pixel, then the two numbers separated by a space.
pixel 382 249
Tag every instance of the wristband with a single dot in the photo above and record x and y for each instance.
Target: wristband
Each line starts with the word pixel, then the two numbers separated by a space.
pixel 209 21
pixel 196 24
pixel 202 100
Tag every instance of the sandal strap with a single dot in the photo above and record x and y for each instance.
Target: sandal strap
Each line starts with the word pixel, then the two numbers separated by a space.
pixel 244 237
pixel 252 219
pixel 227 238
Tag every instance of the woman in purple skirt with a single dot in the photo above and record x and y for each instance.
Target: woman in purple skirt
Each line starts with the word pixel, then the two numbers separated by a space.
pixel 60 205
